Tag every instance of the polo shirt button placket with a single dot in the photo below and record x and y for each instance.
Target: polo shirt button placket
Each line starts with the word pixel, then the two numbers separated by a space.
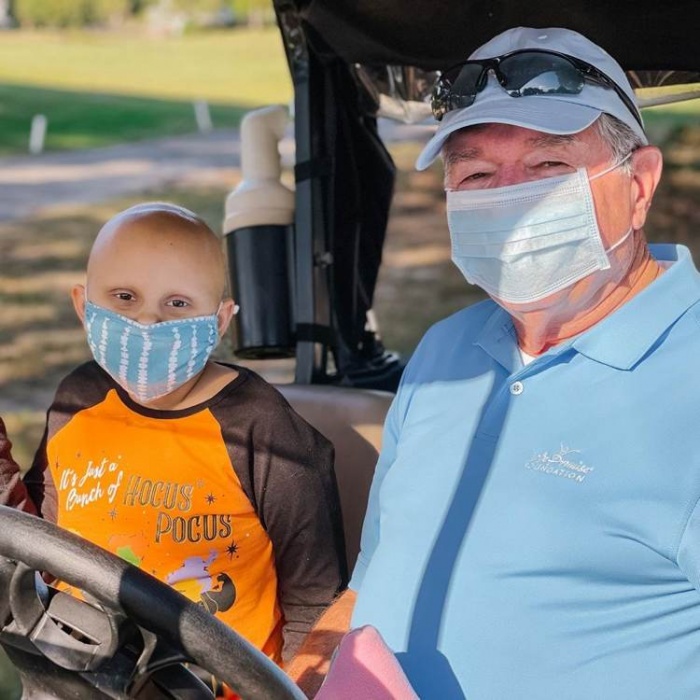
pixel 517 388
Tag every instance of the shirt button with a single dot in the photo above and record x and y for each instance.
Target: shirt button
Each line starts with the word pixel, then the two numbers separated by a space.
pixel 516 388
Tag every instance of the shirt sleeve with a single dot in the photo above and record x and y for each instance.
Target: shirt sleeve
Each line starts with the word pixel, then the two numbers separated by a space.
pixel 393 424
pixel 286 468
pixel 13 491
pixel 83 387
pixel 370 526
pixel 688 556
pixel 39 482
pixel 297 502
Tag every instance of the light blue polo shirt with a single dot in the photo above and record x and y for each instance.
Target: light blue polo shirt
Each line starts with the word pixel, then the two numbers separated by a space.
pixel 533 532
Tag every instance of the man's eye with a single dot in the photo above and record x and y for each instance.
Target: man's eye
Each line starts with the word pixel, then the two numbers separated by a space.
pixel 471 179
pixel 552 164
pixel 178 303
pixel 124 296
pixel 475 176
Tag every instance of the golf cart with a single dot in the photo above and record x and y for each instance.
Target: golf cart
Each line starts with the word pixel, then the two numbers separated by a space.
pixel 350 62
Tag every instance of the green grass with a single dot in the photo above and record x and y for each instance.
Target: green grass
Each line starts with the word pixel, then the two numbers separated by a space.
pixel 241 67
pixel 665 119
pixel 84 120
pixel 98 89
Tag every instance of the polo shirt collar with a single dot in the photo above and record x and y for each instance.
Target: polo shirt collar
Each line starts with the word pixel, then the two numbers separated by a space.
pixel 498 339
pixel 622 339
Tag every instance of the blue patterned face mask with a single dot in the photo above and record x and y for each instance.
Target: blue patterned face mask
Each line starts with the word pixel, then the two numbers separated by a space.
pixel 149 361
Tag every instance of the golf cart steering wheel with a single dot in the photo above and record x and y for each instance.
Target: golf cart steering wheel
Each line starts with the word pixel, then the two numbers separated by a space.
pixel 127 602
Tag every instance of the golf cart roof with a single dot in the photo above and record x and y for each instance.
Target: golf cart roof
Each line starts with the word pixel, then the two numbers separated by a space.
pixel 641 34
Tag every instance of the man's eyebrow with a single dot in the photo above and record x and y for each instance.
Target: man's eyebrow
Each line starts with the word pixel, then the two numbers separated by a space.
pixel 462 154
pixel 549 140
pixel 539 141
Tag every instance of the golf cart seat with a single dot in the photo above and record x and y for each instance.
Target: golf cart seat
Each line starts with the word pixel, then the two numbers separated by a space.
pixel 352 420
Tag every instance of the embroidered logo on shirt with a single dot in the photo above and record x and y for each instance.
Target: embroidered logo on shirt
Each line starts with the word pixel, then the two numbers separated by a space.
pixel 561 463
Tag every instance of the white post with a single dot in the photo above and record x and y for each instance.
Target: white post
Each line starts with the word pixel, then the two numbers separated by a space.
pixel 37 134
pixel 202 115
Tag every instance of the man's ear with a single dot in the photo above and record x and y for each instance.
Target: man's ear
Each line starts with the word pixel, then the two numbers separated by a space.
pixel 647 163
pixel 225 314
pixel 77 295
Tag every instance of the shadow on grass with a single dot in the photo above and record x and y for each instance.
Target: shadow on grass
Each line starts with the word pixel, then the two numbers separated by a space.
pixel 87 120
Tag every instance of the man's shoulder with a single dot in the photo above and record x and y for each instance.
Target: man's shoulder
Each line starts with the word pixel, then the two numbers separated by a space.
pixel 463 326
pixel 451 345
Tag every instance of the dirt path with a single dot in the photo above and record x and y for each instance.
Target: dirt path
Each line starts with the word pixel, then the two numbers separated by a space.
pixel 31 185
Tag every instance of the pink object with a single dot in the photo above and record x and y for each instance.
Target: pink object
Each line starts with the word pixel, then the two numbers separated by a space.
pixel 364 668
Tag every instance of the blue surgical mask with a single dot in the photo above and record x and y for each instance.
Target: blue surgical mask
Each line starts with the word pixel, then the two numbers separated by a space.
pixel 522 243
pixel 149 361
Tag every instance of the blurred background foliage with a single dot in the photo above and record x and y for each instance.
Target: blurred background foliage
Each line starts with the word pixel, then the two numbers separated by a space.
pixel 176 15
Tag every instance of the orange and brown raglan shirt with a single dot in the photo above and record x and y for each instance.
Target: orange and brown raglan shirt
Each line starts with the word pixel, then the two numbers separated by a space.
pixel 232 502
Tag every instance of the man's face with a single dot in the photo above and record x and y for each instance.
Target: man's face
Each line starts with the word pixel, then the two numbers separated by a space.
pixel 497 155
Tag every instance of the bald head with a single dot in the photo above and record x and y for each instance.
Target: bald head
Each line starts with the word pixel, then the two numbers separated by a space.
pixel 154 262
pixel 155 227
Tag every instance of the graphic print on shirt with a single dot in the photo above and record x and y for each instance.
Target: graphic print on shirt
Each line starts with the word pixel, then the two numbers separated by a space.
pixel 563 463
pixel 163 495
pixel 215 596
pixel 104 483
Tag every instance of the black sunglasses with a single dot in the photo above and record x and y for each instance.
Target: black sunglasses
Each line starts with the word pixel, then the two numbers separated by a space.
pixel 520 73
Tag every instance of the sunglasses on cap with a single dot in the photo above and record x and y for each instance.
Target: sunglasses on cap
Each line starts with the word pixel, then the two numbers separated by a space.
pixel 520 73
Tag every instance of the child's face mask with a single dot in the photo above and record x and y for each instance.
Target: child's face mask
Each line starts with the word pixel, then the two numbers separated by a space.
pixel 149 361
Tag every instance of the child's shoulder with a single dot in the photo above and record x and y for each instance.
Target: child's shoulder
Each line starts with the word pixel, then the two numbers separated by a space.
pixel 250 386
pixel 87 381
pixel 262 402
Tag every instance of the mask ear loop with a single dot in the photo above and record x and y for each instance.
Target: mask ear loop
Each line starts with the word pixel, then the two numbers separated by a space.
pixel 620 242
pixel 236 308
pixel 614 166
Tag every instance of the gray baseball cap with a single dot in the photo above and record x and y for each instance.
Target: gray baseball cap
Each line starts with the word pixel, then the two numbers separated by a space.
pixel 551 113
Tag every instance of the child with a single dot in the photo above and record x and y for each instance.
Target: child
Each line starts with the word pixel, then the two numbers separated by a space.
pixel 198 472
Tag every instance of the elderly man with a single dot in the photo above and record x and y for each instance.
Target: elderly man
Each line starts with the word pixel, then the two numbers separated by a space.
pixel 533 529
